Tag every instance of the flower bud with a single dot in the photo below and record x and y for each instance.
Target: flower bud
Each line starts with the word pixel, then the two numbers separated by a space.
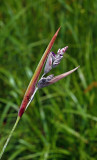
pixel 62 51
pixel 59 56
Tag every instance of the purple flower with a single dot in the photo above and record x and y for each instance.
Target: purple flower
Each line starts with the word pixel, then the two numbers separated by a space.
pixel 59 56
pixel 54 59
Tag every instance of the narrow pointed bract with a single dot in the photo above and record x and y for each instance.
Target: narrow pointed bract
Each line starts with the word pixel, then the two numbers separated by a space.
pixel 45 81
pixel 31 87
pixel 57 78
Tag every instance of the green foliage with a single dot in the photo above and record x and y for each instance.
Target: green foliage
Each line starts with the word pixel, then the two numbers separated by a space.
pixel 61 122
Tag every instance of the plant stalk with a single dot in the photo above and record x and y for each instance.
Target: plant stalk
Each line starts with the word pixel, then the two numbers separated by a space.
pixel 10 135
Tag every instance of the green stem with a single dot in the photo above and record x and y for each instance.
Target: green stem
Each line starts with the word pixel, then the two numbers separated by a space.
pixel 10 135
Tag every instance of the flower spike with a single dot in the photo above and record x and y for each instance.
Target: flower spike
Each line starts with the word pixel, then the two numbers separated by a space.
pixel 54 59
pixel 31 88
pixel 59 56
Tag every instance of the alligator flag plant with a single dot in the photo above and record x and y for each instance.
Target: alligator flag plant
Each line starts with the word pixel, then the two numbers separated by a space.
pixel 52 61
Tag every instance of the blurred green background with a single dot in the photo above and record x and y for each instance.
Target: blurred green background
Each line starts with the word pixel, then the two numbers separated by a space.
pixel 61 122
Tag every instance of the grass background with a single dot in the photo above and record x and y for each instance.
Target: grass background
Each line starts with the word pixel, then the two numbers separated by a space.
pixel 61 122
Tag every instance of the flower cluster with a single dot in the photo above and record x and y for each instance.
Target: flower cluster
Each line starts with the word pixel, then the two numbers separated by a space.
pixel 52 61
